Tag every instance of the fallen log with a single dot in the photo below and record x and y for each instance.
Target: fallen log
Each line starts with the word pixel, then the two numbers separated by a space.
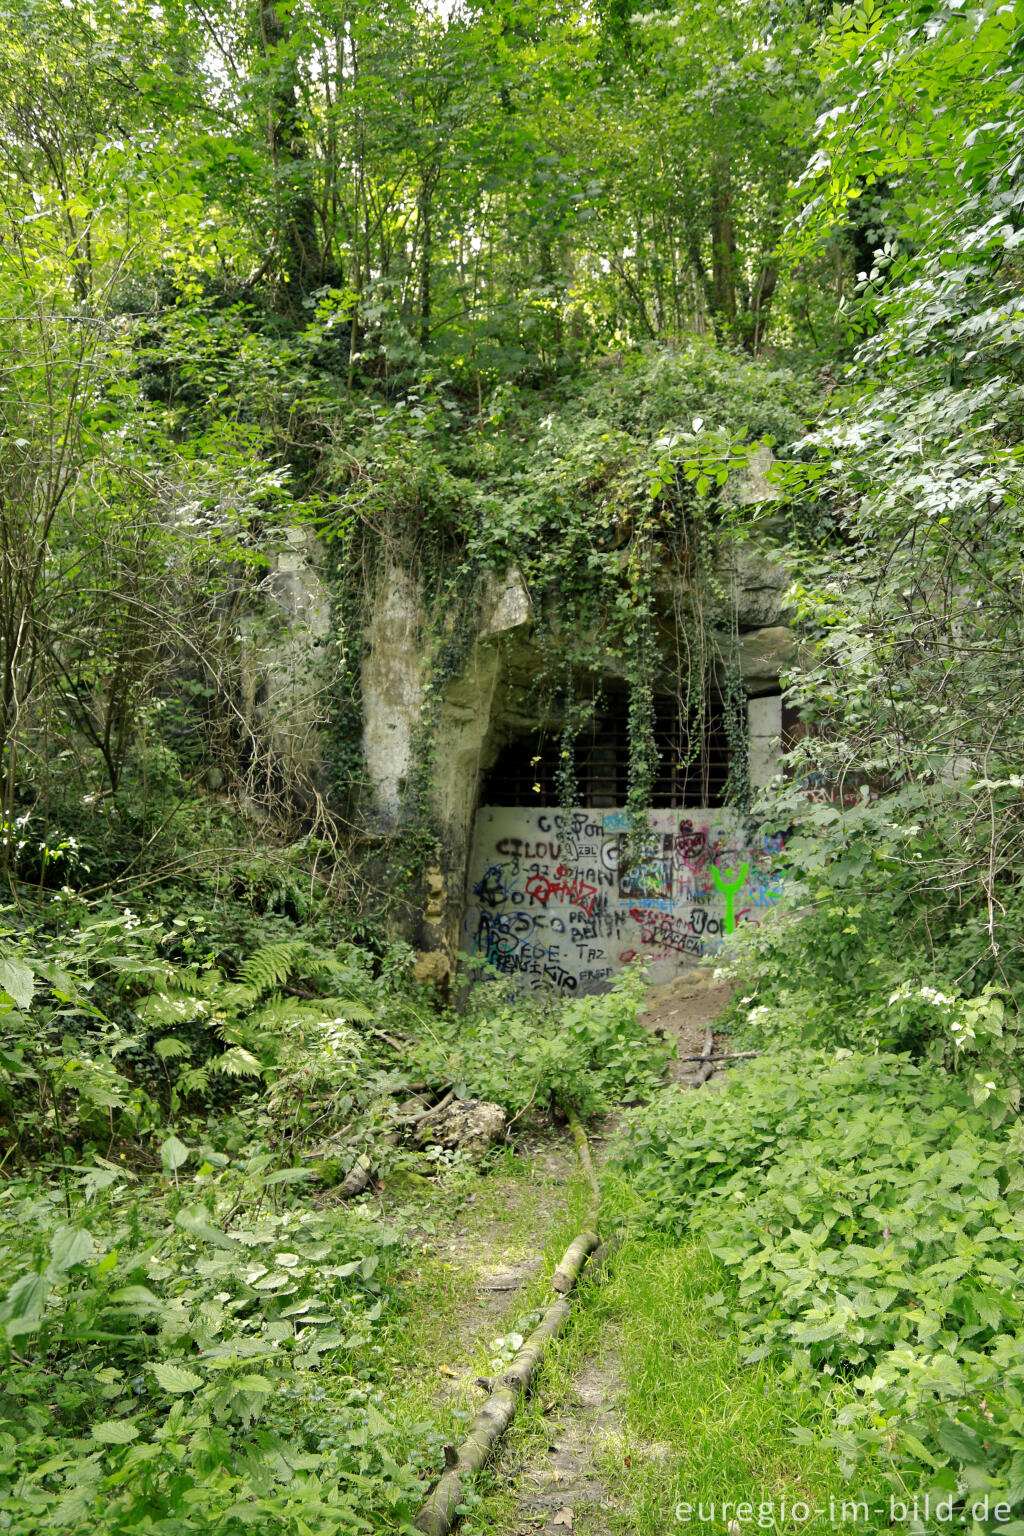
pixel 572 1261
pixel 724 1056
pixel 708 1068
pixel 579 1136
pixel 437 1516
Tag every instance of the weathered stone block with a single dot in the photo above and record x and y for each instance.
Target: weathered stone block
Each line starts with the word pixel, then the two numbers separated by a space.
pixel 473 1125
pixel 763 654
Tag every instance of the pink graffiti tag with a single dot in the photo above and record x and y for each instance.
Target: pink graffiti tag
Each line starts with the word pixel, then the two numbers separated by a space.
pixel 668 932
pixel 691 845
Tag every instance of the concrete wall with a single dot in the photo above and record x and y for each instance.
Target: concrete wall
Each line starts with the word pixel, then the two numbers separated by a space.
pixel 764 740
pixel 551 902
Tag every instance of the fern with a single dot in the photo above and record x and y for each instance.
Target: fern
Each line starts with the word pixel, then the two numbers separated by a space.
pixel 170 1046
pixel 237 1062
pixel 170 1007
pixel 271 965
pixel 194 1080
pixel 276 1012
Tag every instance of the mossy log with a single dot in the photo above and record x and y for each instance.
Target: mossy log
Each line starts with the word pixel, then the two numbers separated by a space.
pixel 572 1261
pixel 437 1516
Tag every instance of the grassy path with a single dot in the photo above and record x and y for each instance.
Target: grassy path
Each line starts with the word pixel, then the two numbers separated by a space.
pixel 642 1408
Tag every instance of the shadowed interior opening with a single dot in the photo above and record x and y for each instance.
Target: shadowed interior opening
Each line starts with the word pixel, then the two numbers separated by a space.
pixel 688 773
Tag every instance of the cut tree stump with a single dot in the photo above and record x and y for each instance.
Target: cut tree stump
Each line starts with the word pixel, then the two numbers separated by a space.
pixel 357 1178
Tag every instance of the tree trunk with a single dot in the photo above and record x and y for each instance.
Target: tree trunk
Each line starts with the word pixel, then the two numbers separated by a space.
pixel 723 249
pixel 424 212
pixel 761 306
pixel 290 155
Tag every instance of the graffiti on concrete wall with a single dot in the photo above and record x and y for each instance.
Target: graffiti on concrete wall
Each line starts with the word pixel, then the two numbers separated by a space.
pixel 556 898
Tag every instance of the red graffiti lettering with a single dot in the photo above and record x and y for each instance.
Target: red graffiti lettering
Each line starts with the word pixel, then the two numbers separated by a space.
pixel 542 887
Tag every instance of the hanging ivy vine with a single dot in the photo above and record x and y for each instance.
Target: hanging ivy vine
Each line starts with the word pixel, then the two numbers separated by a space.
pixel 609 506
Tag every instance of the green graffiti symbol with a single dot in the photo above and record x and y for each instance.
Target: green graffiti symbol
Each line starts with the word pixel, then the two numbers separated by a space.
pixel 728 884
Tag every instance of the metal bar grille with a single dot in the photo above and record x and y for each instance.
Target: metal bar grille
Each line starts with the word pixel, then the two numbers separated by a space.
pixel 688 773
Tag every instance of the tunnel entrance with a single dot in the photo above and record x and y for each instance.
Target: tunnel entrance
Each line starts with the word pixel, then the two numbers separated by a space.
pixel 692 767
pixel 564 898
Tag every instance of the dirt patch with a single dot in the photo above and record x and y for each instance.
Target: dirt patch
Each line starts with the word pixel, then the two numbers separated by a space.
pixel 682 1010
pixel 560 1490
pixel 496 1245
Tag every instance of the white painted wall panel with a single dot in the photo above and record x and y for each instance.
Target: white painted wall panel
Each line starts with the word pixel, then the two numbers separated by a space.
pixel 551 902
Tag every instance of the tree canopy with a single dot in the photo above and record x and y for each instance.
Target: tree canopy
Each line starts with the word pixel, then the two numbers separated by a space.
pixel 453 289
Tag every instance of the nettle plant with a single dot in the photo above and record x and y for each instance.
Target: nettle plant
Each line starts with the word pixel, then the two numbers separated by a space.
pixel 868 1219
pixel 199 1351
pixel 590 1054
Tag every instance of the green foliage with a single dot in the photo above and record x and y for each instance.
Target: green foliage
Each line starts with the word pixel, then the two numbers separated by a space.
pixel 869 1222
pixel 878 956
pixel 184 1326
pixel 906 536
pixel 116 1025
pixel 589 1053
pixel 195 1353
pixel 595 492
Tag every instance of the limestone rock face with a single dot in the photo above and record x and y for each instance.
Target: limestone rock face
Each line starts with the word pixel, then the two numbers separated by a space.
pixel 753 485
pixel 762 656
pixel 506 605
pixel 392 686
pixel 759 585
pixel 282 685
pixel 472 1124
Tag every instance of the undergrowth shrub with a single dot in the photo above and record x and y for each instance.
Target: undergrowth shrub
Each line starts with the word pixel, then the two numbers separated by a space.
pixel 870 1220
pixel 196 1358
pixel 116 1023
pixel 587 1053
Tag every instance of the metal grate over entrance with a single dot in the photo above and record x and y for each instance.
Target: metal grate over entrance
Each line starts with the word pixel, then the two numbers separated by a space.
pixel 688 774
